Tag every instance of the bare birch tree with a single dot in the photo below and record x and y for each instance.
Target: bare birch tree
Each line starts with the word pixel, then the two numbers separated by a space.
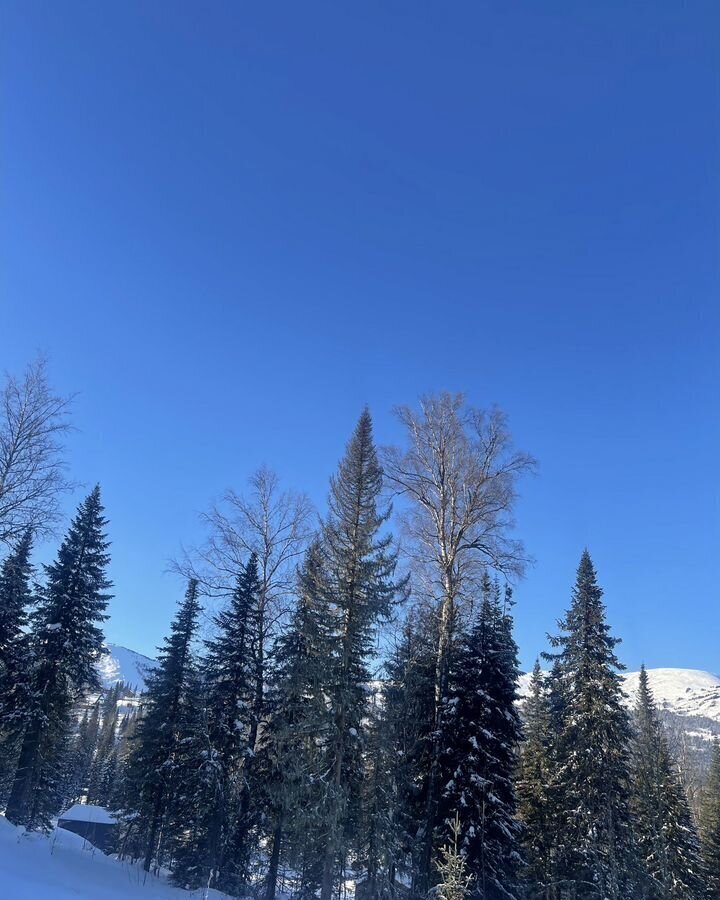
pixel 269 521
pixel 457 476
pixel 33 424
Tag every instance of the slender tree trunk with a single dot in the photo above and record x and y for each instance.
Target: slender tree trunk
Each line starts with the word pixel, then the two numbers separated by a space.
pixel 17 805
pixel 423 875
pixel 154 828
pixel 272 874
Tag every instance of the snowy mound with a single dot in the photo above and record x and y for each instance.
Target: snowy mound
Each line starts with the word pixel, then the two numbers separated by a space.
pixel 66 867
pixel 121 664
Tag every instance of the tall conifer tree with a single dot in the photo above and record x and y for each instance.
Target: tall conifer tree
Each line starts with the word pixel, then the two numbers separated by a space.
pixel 15 663
pixel 169 719
pixel 533 783
pixel 409 713
pixel 358 566
pixel 667 840
pixel 66 645
pixel 291 753
pixel 594 845
pixel 710 825
pixel 482 735
pixel 217 850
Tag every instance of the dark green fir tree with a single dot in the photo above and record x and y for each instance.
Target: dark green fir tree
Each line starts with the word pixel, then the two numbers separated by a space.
pixel 169 721
pixel 666 836
pixel 483 732
pixel 533 783
pixel 596 856
pixel 66 644
pixel 222 808
pixel 359 564
pixel 292 750
pixel 15 662
pixel 409 716
pixel 710 825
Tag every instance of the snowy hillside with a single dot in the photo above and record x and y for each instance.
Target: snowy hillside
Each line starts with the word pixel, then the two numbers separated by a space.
pixel 684 692
pixel 121 664
pixel 65 867
pixel 689 702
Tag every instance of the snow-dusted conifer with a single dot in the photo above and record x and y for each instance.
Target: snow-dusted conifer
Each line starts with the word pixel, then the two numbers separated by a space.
pixel 533 783
pixel 591 785
pixel 15 662
pixel 409 713
pixel 66 645
pixel 169 717
pixel 291 752
pixel 665 833
pixel 710 825
pixel 482 733
pixel 220 812
pixel 455 881
pixel 104 766
pixel 359 565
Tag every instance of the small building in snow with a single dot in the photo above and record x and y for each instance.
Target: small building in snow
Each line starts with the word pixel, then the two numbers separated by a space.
pixel 94 823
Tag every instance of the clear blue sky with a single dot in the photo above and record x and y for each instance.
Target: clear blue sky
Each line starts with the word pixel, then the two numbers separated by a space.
pixel 231 225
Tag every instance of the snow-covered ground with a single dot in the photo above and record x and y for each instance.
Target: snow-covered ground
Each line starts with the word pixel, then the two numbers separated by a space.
pixel 121 664
pixel 64 867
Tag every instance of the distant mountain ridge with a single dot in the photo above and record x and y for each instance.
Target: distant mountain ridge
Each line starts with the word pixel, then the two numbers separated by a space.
pixel 683 692
pixel 689 703
pixel 122 664
pixel 689 699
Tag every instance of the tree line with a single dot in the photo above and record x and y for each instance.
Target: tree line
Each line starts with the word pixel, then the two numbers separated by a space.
pixel 334 710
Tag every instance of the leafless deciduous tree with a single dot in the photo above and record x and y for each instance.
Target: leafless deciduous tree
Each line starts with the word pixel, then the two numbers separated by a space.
pixel 269 521
pixel 266 520
pixel 457 477
pixel 33 424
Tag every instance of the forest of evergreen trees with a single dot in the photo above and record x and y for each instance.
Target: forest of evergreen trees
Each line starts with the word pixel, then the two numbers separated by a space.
pixel 335 709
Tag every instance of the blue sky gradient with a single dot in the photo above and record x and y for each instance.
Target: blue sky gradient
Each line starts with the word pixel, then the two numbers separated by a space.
pixel 231 225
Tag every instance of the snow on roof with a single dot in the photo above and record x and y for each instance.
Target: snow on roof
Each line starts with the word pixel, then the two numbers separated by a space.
pixel 83 812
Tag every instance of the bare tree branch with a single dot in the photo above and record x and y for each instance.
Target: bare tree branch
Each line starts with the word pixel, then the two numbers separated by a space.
pixel 33 424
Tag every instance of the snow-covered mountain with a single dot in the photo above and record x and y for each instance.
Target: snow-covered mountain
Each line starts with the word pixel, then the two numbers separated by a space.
pixel 121 664
pixel 683 692
pixel 689 701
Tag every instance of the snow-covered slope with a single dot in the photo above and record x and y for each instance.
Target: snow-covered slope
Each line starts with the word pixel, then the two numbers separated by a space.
pixel 65 867
pixel 121 664
pixel 689 702
pixel 684 692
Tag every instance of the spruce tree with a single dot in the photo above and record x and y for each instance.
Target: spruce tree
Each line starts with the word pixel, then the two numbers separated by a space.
pixel 533 782
pixel 375 853
pixel 666 837
pixel 409 714
pixel 291 753
pixel 482 734
pixel 15 662
pixel 104 765
pixel 81 756
pixel 710 825
pixel 66 645
pixel 217 851
pixel 455 880
pixel 169 719
pixel 596 857
pixel 359 565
